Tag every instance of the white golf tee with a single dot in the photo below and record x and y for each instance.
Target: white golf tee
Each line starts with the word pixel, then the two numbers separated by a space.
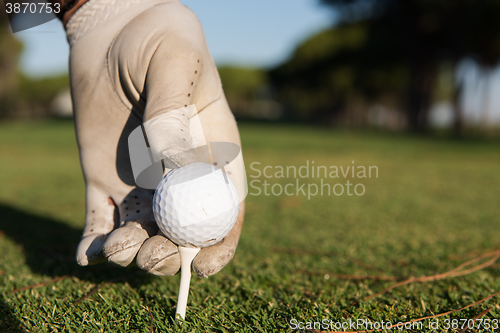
pixel 187 255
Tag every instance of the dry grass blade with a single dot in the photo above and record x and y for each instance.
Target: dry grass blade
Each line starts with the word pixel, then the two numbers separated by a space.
pixel 476 318
pixel 151 316
pixel 38 285
pixel 472 254
pixel 424 318
pixel 476 259
pixel 457 271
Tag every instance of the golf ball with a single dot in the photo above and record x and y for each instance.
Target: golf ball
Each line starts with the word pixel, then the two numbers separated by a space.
pixel 196 206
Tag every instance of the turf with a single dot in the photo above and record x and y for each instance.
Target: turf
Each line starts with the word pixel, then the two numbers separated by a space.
pixel 434 205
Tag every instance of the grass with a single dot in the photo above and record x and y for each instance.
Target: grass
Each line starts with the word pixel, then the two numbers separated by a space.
pixel 433 206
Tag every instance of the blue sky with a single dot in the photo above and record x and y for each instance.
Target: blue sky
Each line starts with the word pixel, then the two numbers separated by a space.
pixel 244 32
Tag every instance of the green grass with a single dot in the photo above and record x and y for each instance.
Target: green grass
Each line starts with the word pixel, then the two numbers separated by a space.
pixel 434 202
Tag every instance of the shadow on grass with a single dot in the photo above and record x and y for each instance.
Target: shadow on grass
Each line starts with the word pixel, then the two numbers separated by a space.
pixel 49 247
pixel 8 321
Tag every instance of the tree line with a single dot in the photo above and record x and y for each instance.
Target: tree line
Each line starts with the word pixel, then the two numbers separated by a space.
pixel 388 51
pixel 378 52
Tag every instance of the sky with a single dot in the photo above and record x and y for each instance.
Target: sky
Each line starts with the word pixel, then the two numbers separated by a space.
pixel 258 33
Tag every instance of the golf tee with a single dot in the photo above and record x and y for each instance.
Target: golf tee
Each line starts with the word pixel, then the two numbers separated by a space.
pixel 187 255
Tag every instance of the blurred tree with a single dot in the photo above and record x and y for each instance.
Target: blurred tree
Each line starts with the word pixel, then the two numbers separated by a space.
pixel 335 70
pixel 10 51
pixel 381 46
pixel 21 96
pixel 36 96
pixel 241 87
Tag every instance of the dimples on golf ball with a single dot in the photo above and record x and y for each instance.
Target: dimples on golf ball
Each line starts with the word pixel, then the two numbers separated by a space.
pixel 196 205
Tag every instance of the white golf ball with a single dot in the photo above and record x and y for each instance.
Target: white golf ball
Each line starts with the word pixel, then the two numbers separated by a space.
pixel 196 206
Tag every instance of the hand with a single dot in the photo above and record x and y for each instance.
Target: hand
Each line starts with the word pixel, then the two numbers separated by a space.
pixel 156 66
pixel 140 236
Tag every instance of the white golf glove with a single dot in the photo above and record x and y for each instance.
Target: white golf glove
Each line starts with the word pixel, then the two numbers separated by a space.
pixel 137 62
